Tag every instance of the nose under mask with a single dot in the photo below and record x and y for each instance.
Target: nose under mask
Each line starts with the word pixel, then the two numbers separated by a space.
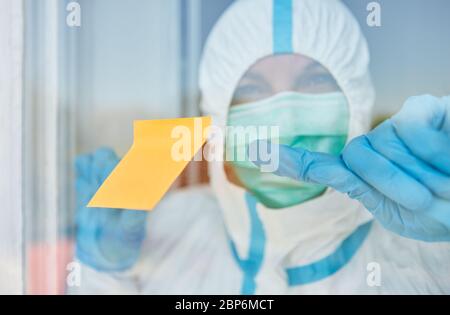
pixel 315 122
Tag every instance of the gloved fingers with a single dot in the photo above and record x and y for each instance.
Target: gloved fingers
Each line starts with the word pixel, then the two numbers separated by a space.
pixel 298 163
pixel 409 223
pixel 331 171
pixel 425 111
pixel 303 165
pixel 84 192
pixel 95 167
pixel 440 212
pixel 423 124
pixel 83 166
pixel 320 168
pixel 385 176
pixel 386 142
pixel 133 219
pixel 90 171
pixel 104 161
pixel 105 154
pixel 84 186
pixel 391 216
pixel 430 145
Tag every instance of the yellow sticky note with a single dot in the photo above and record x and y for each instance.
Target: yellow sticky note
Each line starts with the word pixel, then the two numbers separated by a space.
pixel 161 150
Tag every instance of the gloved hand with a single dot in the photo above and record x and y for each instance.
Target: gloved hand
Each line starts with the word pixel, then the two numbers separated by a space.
pixel 400 171
pixel 107 239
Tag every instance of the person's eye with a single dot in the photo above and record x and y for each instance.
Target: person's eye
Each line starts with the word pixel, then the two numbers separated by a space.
pixel 248 93
pixel 318 83
pixel 321 79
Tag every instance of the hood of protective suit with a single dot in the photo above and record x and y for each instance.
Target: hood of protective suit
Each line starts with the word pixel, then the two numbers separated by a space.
pixel 272 241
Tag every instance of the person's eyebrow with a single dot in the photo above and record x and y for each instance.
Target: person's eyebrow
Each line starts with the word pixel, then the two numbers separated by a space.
pixel 311 69
pixel 315 66
pixel 252 76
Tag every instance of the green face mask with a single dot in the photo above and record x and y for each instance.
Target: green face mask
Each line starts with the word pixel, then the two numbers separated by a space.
pixel 316 122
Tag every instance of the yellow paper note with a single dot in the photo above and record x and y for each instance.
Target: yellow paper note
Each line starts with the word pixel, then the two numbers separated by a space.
pixel 161 150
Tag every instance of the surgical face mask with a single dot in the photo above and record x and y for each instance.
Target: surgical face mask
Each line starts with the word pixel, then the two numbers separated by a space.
pixel 316 122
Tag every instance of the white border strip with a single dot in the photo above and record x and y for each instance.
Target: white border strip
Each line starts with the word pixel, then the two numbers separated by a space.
pixel 11 58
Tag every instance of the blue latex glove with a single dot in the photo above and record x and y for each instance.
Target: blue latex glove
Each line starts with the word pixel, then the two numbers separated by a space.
pixel 107 239
pixel 400 171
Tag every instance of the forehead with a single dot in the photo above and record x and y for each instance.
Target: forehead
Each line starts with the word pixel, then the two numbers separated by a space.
pixel 288 64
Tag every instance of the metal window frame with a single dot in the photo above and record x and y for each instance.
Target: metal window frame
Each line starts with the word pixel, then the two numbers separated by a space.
pixel 48 138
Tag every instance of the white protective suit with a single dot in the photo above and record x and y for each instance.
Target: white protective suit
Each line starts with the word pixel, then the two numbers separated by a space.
pixel 221 241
